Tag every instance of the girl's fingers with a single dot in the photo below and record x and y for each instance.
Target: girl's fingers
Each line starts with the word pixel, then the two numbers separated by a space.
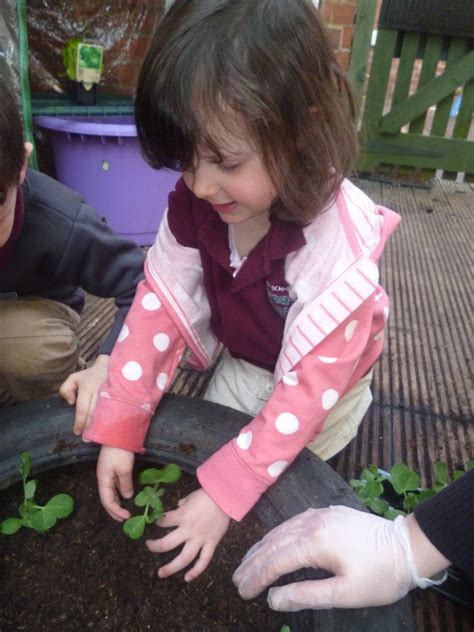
pixel 187 555
pixel 167 543
pixel 170 519
pixel 202 563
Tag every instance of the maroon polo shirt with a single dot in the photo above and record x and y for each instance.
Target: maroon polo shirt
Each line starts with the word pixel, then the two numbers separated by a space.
pixel 248 311
pixel 7 249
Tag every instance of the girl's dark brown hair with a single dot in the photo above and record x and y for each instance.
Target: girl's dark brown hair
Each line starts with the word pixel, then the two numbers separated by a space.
pixel 12 151
pixel 271 63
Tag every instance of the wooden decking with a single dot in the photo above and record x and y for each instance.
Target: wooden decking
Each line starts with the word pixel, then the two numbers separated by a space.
pixel 422 410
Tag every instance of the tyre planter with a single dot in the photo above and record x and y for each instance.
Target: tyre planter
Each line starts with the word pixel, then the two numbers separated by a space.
pixel 187 431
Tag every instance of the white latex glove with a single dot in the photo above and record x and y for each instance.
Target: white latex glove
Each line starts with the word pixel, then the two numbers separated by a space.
pixel 370 557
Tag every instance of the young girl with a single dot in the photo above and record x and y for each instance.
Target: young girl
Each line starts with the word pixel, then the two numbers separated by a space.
pixel 265 248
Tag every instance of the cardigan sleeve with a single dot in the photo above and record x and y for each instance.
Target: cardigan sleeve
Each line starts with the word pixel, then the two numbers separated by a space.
pixel 241 471
pixel 447 520
pixel 142 365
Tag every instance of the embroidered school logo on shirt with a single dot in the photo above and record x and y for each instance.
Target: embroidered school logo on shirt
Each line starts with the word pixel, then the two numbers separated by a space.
pixel 279 297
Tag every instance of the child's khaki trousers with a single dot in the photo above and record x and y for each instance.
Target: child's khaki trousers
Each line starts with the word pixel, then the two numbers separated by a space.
pixel 39 347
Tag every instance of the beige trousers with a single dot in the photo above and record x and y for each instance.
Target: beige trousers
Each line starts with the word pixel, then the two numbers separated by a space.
pixel 39 347
pixel 246 387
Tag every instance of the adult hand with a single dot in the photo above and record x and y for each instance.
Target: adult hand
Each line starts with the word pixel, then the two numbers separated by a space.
pixel 81 388
pixel 200 525
pixel 114 476
pixel 370 557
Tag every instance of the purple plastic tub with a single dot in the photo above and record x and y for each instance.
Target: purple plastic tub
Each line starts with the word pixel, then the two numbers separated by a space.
pixel 100 158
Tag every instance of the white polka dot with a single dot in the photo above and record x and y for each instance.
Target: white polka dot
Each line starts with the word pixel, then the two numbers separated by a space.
pixel 330 397
pixel 386 312
pixel 287 423
pixel 350 329
pixel 132 371
pixel 275 469
pixel 161 381
pixel 104 394
pixel 327 360
pixel 150 302
pixel 291 378
pixel 244 440
pixel 378 336
pixel 378 296
pixel 123 333
pixel 161 342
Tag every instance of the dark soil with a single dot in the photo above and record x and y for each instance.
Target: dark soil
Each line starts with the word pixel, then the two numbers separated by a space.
pixel 85 574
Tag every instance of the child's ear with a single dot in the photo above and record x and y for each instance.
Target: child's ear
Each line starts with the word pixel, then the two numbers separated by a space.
pixel 28 151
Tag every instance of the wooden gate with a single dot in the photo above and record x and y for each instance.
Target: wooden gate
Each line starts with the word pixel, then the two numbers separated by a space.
pixel 417 115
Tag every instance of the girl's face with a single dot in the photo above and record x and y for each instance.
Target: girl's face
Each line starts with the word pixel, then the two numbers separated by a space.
pixel 238 188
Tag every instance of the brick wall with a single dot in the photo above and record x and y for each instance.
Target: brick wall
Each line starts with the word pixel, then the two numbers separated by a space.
pixel 338 15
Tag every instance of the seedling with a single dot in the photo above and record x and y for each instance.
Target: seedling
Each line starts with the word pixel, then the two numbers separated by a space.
pixel 150 498
pixel 34 516
pixel 378 490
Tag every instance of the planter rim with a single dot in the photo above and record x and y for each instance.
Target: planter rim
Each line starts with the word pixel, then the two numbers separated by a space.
pixel 184 431
pixel 118 126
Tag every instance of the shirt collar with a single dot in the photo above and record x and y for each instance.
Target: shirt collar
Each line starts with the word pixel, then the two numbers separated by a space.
pixel 282 239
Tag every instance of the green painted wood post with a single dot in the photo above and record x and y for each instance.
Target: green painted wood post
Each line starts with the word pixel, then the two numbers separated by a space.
pixel 376 93
pixel 360 48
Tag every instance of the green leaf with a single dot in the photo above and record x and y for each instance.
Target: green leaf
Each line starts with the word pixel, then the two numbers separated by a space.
pixel 372 489
pixel 410 502
pixel 134 527
pixel 403 479
pixel 470 465
pixel 25 464
pixel 11 526
pixel 156 514
pixel 356 483
pixel 170 473
pixel 367 475
pixel 145 497
pixel 60 505
pixel 441 473
pixel 151 476
pixel 27 509
pixel 156 502
pixel 378 506
pixel 457 474
pixel 392 513
pixel 285 628
pixel 43 520
pixel 30 489
pixel 425 495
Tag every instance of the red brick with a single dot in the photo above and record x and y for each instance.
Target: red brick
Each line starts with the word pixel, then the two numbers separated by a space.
pixel 335 37
pixel 343 59
pixel 346 40
pixel 343 14
pixel 326 13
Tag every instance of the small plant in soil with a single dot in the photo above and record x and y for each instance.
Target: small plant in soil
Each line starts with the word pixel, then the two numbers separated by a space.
pixel 398 492
pixel 38 517
pixel 150 498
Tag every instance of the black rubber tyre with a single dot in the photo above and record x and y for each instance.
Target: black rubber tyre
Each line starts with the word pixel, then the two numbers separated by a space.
pixel 186 431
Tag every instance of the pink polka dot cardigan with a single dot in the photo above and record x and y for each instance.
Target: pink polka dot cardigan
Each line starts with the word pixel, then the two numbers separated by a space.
pixel 333 336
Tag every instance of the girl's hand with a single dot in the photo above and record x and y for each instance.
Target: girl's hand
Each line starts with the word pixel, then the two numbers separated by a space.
pixel 81 388
pixel 201 525
pixel 114 474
